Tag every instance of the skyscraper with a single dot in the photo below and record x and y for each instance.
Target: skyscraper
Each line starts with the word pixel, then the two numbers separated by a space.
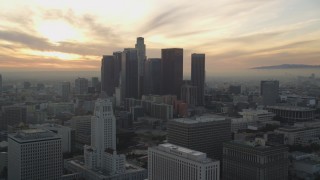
pixel 153 76
pixel 34 154
pixel 64 90
pixel 189 94
pixel 102 153
pixel 244 160
pixel 198 75
pixel 172 71
pixel 269 92
pixel 205 134
pixel 141 53
pixel 94 82
pixel 172 162
pixel 107 75
pixel 129 74
pixel 117 56
pixel 81 86
pixel 14 115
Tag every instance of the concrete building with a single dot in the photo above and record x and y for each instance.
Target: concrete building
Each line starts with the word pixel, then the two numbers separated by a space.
pixel 172 162
pixel 269 91
pixel 300 135
pixel 13 115
pixel 66 133
pixel 236 90
pixel 205 134
pixel 81 86
pixel 94 82
pixel 189 94
pixel 198 75
pixel 244 160
pixel 129 74
pixel 153 76
pixel 101 160
pixel 82 127
pixel 64 90
pixel 290 115
pixel 117 56
pixel 55 109
pixel 305 166
pixel 172 71
pixel 34 154
pixel 141 54
pixel 107 75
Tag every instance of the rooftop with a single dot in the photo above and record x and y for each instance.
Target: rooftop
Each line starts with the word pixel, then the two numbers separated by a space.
pixel 290 108
pixel 32 134
pixel 201 119
pixel 183 152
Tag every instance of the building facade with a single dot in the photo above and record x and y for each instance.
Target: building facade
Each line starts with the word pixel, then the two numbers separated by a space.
pixel 172 162
pixel 198 76
pixel 269 91
pixel 141 53
pixel 244 160
pixel 205 134
pixel 107 75
pixel 34 154
pixel 129 74
pixel 81 86
pixel 172 71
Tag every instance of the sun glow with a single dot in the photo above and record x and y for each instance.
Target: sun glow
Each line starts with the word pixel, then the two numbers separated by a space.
pixel 57 31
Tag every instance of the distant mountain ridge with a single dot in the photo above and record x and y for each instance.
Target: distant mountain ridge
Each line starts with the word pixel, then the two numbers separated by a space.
pixel 289 66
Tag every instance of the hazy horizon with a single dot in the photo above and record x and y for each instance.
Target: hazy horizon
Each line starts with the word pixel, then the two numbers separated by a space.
pixel 234 34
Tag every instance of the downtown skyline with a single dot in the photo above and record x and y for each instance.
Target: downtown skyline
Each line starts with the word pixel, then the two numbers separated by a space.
pixel 234 34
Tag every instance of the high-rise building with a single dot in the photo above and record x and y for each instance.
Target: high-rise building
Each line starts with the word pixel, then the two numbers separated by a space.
pixel 141 53
pixel 101 160
pixel 34 154
pixel 153 76
pixel 172 71
pixel 172 162
pixel 233 89
pixel 244 160
pixel 102 152
pixel 205 134
pixel 189 94
pixel 94 82
pixel 64 90
pixel 269 92
pixel 81 86
pixel 117 56
pixel 198 75
pixel 129 74
pixel 14 115
pixel 107 75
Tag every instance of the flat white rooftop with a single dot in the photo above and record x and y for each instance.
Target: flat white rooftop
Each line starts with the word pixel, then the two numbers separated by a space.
pixel 32 134
pixel 183 152
pixel 200 119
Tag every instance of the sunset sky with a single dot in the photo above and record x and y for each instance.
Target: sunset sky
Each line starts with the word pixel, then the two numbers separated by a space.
pixel 234 34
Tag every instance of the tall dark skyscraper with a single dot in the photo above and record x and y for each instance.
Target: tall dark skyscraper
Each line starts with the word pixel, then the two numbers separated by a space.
pixel 198 75
pixel 141 53
pixel 129 74
pixel 107 75
pixel 117 56
pixel 172 70
pixel 153 76
pixel 269 92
